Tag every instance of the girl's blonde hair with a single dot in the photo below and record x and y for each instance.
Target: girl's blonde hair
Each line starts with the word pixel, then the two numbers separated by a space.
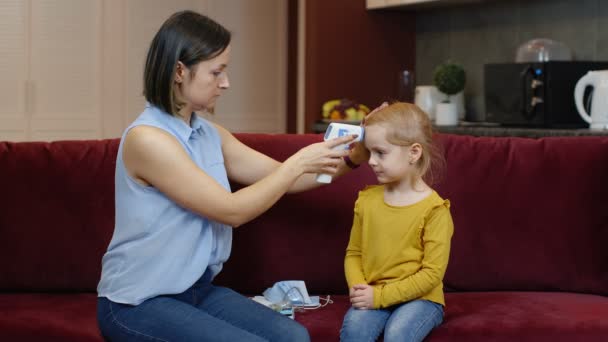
pixel 406 125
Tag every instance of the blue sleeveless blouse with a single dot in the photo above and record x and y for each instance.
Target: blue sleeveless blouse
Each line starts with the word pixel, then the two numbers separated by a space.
pixel 159 247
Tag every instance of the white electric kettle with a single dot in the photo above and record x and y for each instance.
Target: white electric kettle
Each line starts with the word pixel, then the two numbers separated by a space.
pixel 599 102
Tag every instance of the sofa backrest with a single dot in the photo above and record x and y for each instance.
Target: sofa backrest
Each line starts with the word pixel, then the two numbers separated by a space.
pixel 56 213
pixel 529 215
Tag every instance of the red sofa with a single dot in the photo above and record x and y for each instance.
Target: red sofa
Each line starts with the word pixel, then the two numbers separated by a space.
pixel 529 258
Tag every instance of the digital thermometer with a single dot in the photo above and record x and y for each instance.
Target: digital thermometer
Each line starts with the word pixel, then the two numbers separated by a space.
pixel 335 130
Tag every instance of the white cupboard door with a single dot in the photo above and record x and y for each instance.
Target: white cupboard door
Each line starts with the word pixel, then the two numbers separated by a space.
pixel 375 4
pixel 64 89
pixel 13 68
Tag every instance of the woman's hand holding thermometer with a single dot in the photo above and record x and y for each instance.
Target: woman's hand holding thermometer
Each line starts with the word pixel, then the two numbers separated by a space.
pixel 335 130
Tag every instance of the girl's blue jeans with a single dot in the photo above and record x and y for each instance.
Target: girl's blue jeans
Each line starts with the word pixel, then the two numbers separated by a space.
pixel 410 321
pixel 204 312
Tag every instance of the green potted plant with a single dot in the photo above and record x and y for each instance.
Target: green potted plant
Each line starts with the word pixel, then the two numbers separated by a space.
pixel 449 78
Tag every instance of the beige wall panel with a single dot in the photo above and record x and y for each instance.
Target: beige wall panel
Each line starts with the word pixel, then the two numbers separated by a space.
pixel 256 100
pixel 73 69
pixel 65 66
pixel 13 68
pixel 143 19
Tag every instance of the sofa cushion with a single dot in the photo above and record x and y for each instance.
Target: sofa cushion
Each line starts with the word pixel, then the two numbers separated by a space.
pixel 493 316
pixel 473 316
pixel 49 317
pixel 523 316
pixel 529 214
pixel 57 213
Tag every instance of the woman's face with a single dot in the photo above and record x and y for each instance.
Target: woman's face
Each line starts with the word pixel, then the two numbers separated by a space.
pixel 200 86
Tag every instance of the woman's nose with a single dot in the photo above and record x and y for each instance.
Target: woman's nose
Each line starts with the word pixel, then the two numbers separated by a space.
pixel 224 82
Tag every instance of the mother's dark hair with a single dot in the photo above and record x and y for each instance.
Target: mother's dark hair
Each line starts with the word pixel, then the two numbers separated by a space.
pixel 186 37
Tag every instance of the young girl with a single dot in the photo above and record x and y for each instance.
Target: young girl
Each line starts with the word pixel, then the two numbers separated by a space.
pixel 400 240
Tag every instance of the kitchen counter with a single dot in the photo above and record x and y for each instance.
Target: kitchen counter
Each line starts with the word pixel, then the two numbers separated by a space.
pixel 526 132
pixel 493 130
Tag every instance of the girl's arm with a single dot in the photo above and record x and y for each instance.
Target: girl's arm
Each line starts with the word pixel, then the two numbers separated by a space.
pixel 154 157
pixel 436 240
pixel 353 265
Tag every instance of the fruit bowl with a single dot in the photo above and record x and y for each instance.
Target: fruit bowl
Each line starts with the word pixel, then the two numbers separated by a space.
pixel 344 110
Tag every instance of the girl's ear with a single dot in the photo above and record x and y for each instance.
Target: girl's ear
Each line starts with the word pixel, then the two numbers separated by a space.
pixel 415 153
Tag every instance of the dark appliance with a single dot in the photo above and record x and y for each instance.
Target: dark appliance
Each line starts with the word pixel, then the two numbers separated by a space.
pixel 537 94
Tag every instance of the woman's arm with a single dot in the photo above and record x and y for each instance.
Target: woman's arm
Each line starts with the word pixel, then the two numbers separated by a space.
pixel 154 157
pixel 247 166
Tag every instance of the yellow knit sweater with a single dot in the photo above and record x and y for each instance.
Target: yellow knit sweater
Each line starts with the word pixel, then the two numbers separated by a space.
pixel 402 252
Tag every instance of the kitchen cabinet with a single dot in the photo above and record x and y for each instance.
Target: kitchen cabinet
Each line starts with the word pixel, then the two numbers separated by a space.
pixel 413 4
pixel 50 66
pixel 344 62
pixel 525 132
pixel 408 2
pixel 371 4
pixel 72 69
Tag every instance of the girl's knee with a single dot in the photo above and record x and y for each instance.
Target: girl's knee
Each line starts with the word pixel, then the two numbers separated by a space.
pixel 415 323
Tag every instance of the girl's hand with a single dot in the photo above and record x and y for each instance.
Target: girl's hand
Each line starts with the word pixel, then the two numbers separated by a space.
pixel 362 297
pixel 321 157
pixel 358 153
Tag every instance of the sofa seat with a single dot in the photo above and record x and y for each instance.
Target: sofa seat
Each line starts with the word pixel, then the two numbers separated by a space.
pixel 494 316
pixel 48 317
pixel 472 316
pixel 523 316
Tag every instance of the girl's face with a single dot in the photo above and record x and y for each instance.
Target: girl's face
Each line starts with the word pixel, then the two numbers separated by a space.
pixel 201 85
pixel 390 163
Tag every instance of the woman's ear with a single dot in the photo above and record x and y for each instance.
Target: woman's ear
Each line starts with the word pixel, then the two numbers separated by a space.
pixel 180 71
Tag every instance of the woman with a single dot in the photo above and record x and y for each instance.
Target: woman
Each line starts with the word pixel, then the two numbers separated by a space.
pixel 174 207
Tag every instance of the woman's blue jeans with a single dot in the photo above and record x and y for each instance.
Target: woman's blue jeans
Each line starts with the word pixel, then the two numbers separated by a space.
pixel 410 321
pixel 204 312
